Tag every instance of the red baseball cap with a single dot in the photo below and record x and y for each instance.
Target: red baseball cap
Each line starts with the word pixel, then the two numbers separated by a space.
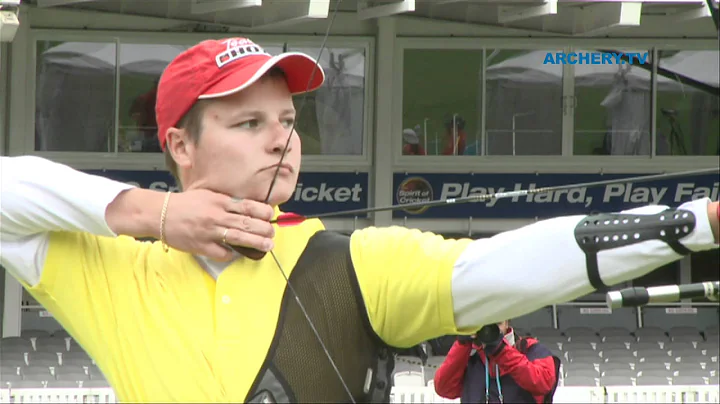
pixel 218 68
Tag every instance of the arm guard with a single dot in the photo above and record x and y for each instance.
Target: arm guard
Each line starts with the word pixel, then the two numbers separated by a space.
pixel 606 231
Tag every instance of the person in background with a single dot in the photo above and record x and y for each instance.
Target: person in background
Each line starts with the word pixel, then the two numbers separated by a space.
pixel 522 370
pixel 142 111
pixel 455 140
pixel 411 144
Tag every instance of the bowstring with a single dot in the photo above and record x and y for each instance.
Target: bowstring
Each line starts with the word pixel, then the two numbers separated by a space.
pixel 272 185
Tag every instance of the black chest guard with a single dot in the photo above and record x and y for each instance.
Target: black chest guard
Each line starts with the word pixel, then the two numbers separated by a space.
pixel 296 368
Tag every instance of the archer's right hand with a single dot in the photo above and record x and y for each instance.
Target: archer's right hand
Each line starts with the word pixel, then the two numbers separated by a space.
pixel 198 221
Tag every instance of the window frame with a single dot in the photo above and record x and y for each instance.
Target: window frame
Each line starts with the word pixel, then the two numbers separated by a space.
pixel 155 161
pixel 550 164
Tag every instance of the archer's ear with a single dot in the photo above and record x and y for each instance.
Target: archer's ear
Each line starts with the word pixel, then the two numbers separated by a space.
pixel 180 146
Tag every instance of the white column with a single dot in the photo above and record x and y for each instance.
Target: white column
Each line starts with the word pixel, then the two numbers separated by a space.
pixel 383 140
pixel 20 132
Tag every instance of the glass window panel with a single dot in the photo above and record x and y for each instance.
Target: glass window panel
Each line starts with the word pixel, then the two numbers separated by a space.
pixel 140 70
pixel 688 103
pixel 75 96
pixel 523 106
pixel 441 86
pixel 333 120
pixel 613 106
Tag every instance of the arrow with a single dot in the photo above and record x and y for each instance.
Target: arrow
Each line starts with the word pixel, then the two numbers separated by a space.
pixel 293 219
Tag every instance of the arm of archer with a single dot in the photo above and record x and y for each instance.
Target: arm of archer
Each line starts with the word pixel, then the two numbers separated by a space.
pixel 541 264
pixel 457 286
pixel 39 196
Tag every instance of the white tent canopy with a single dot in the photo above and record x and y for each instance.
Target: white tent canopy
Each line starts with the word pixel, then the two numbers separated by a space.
pixel 150 59
pixel 702 66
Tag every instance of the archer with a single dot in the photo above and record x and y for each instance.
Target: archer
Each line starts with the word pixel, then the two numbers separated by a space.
pixel 189 319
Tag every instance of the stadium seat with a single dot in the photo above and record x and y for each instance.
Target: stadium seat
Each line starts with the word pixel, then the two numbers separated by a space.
pixel 72 373
pixel 540 332
pixel 572 367
pixel 95 373
pixel 27 384
pixel 626 339
pixel 655 372
pixel 616 380
pixel 615 345
pixel 709 348
pixel 688 380
pixel 583 356
pixel 612 368
pixel 75 358
pixel 615 353
pixel 10 344
pixel 653 334
pixel 648 350
pixel 40 373
pixel 61 333
pixel 613 331
pixel 651 366
pixel 34 334
pixel 51 344
pixel 578 331
pixel 693 358
pixel 583 372
pixel 14 357
pixel 577 346
pixel 62 384
pixel 687 338
pixel 650 380
pixel 690 372
pixel 591 339
pixel 43 359
pixel 572 380
pixel 553 342
pixel 8 370
pixel 96 384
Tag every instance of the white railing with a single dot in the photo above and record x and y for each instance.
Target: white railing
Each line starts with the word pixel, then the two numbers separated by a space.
pixel 414 394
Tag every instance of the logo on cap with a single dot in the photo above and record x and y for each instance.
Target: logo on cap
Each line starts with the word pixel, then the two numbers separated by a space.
pixel 238 48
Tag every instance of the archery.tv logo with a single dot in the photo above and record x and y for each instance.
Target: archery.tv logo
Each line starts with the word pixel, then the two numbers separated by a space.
pixel 596 58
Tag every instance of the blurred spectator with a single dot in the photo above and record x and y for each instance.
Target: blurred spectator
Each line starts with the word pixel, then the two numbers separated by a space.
pixel 521 370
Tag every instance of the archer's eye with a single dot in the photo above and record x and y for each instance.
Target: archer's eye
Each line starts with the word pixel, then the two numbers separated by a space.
pixel 250 124
pixel 288 123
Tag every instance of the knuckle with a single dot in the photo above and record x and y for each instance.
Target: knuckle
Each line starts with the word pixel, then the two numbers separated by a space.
pixel 245 206
pixel 245 223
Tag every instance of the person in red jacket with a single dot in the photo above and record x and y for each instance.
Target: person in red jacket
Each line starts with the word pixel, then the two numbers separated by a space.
pixel 521 370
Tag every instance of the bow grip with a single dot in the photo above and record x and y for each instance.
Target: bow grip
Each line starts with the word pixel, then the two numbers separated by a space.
pixel 253 254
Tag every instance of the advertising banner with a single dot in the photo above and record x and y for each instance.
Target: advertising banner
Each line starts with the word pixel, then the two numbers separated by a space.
pixel 425 187
pixel 315 192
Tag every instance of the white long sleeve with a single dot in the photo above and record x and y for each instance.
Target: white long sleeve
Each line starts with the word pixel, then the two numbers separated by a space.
pixel 38 196
pixel 516 272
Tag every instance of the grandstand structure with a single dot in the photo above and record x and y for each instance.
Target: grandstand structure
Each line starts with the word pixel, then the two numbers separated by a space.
pixel 416 65
pixel 609 364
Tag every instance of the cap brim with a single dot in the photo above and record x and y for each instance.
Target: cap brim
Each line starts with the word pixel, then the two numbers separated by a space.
pixel 302 72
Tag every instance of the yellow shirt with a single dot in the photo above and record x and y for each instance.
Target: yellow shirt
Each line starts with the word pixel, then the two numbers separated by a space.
pixel 162 329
